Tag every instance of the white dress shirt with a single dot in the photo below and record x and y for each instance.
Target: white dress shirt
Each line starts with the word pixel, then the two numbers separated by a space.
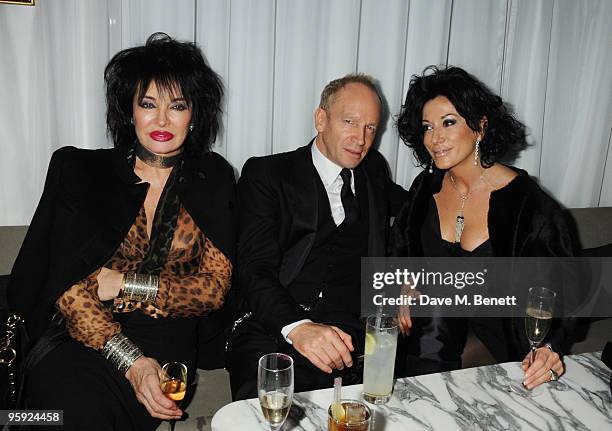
pixel 329 172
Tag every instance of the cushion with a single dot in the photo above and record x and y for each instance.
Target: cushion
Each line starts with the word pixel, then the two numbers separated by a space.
pixel 602 251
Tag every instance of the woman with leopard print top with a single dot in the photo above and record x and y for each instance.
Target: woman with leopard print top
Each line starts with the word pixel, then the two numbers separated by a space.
pixel 129 245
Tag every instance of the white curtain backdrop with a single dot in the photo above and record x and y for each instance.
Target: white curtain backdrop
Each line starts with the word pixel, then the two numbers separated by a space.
pixel 549 58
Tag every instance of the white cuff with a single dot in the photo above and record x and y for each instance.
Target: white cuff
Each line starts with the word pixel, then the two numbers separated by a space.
pixel 286 329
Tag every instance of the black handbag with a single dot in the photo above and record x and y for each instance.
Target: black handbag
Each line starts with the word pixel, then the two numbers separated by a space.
pixel 17 356
pixel 12 352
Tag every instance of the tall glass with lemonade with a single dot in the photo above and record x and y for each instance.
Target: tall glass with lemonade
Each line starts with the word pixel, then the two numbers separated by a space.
pixel 379 359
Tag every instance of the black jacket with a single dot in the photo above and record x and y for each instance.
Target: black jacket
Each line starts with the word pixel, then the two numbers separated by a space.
pixel 89 202
pixel 278 213
pixel 523 221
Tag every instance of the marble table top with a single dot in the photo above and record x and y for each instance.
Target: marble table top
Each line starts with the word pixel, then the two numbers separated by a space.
pixel 468 399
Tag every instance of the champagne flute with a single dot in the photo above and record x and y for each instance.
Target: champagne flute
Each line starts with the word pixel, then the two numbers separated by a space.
pixel 538 320
pixel 174 383
pixel 275 387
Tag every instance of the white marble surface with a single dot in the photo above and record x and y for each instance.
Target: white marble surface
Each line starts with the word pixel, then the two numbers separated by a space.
pixel 470 399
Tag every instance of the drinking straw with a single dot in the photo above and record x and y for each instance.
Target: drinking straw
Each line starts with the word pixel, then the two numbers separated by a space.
pixel 337 411
pixel 379 312
pixel 337 389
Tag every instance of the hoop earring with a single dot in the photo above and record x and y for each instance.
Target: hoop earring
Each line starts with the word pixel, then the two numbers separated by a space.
pixel 476 152
pixel 430 170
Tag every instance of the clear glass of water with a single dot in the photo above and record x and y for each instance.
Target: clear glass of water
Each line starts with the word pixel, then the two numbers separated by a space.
pixel 379 358
pixel 275 387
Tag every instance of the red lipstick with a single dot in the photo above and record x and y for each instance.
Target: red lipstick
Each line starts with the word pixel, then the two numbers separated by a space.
pixel 160 136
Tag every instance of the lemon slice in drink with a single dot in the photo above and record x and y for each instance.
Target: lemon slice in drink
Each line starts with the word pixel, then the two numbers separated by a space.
pixel 338 412
pixel 370 344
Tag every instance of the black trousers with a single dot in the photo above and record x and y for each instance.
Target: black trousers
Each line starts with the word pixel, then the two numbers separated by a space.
pixel 93 394
pixel 436 344
pixel 250 340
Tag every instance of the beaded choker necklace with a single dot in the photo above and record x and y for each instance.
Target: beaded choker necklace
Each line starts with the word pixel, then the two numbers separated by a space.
pixel 155 160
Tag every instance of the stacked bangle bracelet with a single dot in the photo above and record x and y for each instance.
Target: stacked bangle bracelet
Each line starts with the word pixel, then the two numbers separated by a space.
pixel 121 352
pixel 140 287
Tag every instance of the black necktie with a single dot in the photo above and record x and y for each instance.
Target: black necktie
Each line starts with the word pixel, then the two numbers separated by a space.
pixel 349 201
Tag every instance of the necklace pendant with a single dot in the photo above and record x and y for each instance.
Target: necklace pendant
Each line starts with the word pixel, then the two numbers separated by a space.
pixel 459 228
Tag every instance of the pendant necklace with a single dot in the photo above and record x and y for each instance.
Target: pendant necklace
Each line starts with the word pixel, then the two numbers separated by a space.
pixel 460 221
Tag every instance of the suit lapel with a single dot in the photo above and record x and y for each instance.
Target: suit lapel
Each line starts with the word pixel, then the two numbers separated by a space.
pixel 120 198
pixel 193 190
pixel 299 186
pixel 128 196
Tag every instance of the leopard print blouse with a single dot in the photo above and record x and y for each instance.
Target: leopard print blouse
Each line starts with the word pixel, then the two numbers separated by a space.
pixel 195 280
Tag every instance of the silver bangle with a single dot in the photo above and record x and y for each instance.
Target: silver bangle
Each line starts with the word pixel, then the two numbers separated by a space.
pixel 121 352
pixel 140 287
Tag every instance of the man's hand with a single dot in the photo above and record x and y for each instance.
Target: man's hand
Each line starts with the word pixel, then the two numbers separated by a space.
pixel 539 371
pixel 327 347
pixel 109 283
pixel 144 376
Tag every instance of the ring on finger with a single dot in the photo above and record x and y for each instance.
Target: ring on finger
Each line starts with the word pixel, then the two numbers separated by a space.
pixel 553 375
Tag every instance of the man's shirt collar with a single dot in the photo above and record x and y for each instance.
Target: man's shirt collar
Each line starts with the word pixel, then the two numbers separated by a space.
pixel 328 170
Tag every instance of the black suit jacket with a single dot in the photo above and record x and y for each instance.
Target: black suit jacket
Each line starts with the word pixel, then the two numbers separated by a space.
pixel 90 201
pixel 279 209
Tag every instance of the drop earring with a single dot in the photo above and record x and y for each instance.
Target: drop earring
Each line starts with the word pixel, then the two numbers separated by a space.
pixel 476 152
pixel 430 166
pixel 191 127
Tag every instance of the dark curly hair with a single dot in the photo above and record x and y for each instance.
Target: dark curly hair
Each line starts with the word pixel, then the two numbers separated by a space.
pixel 503 135
pixel 174 67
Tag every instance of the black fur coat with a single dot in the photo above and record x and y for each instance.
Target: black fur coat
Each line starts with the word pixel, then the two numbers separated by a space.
pixel 523 221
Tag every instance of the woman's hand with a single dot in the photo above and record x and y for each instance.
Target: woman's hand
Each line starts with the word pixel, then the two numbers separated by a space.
pixel 539 371
pixel 144 376
pixel 404 319
pixel 403 312
pixel 109 283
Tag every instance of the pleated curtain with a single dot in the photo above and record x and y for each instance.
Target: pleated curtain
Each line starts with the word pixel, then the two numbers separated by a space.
pixel 550 59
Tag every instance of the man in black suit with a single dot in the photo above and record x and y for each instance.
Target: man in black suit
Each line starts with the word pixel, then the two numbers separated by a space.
pixel 307 218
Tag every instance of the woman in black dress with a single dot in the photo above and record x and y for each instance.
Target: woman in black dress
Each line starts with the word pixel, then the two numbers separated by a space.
pixel 128 246
pixel 467 203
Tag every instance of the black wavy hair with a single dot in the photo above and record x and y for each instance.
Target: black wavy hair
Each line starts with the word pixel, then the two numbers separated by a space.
pixel 504 134
pixel 174 67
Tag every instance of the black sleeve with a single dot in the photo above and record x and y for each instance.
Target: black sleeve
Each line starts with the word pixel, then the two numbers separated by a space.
pixel 31 268
pixel 402 242
pixel 557 236
pixel 259 249
pixel 397 198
